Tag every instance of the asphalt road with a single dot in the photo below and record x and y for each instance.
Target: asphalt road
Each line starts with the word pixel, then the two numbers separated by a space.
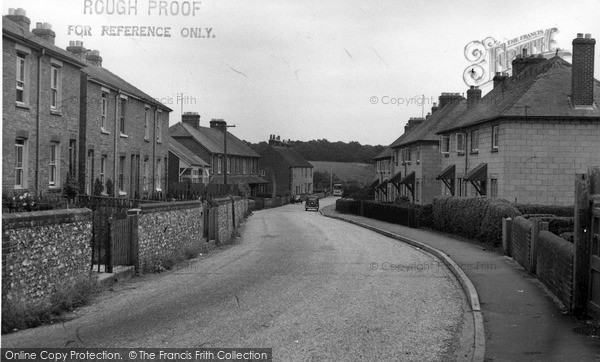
pixel 310 287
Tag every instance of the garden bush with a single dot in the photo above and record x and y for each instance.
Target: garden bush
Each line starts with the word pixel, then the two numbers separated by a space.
pixel 545 209
pixel 472 217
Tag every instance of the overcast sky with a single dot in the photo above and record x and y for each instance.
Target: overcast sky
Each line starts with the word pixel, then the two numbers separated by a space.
pixel 308 69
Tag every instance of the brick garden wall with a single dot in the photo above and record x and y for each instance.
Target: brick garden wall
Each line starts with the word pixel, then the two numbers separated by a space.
pixel 43 251
pixel 521 237
pixel 555 265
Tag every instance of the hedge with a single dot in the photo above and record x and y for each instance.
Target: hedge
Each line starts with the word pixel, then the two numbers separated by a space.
pixel 472 217
pixel 567 211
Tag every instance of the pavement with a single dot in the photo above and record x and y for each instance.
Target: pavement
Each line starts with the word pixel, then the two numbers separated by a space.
pixel 522 321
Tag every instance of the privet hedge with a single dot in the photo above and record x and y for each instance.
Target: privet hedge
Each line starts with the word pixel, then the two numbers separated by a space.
pixel 472 217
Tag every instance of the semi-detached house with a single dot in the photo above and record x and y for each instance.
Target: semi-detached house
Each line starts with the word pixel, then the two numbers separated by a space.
pixel 527 138
pixel 416 153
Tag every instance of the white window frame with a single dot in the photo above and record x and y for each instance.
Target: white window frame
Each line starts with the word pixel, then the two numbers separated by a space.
pixel 219 164
pixel 21 170
pixel 418 154
pixel 444 144
pixel 147 123
pixel 103 112
pixel 159 127
pixel 245 166
pixel 55 87
pixel 21 78
pixel 122 109
pixel 121 175
pixel 158 174
pixel 460 140
pixel 54 165
pixel 146 185
pixel 495 132
pixel 103 160
pixel 228 165
pixel 474 140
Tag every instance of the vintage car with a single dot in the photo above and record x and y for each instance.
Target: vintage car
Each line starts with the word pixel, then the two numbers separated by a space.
pixel 312 203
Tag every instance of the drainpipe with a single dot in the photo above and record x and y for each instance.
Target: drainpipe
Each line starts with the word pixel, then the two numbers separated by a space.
pixel 466 158
pixel 117 131
pixel 38 126
pixel 154 149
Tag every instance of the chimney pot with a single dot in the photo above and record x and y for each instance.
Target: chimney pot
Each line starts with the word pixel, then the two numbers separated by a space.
pixel 588 36
pixel 44 31
pixel 580 35
pixel 19 16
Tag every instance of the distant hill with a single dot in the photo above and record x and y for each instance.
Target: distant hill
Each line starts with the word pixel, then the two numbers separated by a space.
pixel 323 150
pixel 349 173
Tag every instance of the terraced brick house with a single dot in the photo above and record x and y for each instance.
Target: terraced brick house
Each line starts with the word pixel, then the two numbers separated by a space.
pixel 40 108
pixel 527 138
pixel 417 152
pixel 285 170
pixel 239 165
pixel 383 172
pixel 124 133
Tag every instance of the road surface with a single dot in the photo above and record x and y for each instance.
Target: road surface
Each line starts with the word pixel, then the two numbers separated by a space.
pixel 310 287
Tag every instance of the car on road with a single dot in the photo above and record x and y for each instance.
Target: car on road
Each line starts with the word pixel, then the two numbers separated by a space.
pixel 312 203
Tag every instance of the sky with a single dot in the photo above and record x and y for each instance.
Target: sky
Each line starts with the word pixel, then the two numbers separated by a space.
pixel 341 70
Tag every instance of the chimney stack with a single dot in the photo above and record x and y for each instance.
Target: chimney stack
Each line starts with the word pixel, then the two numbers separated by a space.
pixel 522 62
pixel 191 118
pixel 434 108
pixel 93 56
pixel 582 73
pixel 76 48
pixel 19 16
pixel 473 96
pixel 219 124
pixel 44 31
pixel 499 78
pixel 447 98
pixel 412 123
pixel 275 140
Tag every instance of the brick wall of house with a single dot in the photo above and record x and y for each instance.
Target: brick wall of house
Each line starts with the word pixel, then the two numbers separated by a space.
pixel 429 169
pixel 382 173
pixel 542 158
pixel 58 126
pixel 277 173
pixel 44 252
pixel 17 121
pixel 301 179
pixel 133 146
pixel 536 161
